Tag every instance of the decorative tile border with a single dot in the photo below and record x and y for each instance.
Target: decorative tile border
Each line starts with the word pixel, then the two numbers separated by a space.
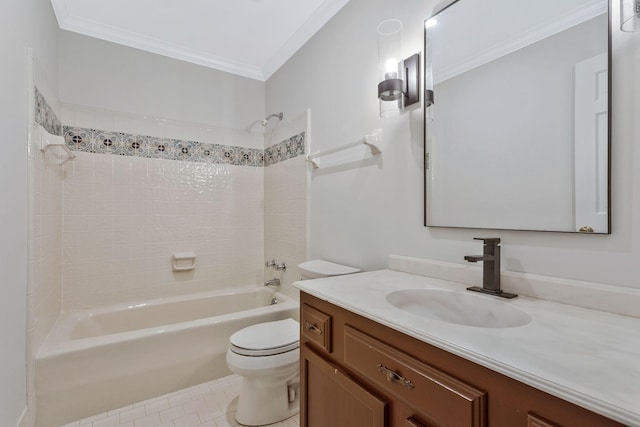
pixel 126 144
pixel 45 116
pixel 287 149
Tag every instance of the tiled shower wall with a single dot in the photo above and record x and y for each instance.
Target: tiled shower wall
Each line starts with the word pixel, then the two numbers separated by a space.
pixel 152 187
pixel 103 227
pixel 46 232
pixel 285 200
pixel 44 293
pixel 126 215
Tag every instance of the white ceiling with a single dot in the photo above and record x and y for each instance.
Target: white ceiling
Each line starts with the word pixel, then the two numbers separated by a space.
pixel 251 38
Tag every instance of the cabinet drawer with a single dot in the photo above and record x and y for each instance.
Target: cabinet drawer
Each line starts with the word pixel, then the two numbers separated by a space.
pixel 316 327
pixel 441 397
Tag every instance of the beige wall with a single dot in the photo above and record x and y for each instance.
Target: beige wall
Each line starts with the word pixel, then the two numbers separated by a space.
pixel 362 213
pixel 26 23
pixel 102 74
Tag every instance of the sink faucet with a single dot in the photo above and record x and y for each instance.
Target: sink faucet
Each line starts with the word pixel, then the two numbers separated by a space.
pixel 490 268
pixel 273 282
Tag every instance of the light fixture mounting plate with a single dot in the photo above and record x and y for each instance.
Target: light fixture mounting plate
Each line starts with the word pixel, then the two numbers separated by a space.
pixel 412 79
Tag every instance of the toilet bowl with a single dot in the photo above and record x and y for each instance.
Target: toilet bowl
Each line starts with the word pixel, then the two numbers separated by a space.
pixel 267 357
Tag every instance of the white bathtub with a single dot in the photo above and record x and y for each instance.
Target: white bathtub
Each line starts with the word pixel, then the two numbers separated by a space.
pixel 97 360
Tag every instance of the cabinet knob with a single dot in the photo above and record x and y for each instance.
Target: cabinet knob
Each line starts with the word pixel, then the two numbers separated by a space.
pixel 394 377
pixel 312 328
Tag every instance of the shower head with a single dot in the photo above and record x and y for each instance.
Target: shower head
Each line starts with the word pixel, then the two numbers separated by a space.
pixel 266 119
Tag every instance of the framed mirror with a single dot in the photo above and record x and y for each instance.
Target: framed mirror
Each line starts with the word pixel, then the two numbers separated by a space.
pixel 517 136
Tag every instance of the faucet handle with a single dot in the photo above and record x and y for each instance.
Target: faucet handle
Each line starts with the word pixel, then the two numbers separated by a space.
pixel 491 241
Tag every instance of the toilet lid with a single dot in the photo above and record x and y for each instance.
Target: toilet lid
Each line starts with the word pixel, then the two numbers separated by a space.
pixel 267 338
pixel 319 268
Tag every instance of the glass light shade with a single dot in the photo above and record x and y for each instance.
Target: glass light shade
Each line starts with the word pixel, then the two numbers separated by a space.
pixel 630 15
pixel 428 79
pixel 390 68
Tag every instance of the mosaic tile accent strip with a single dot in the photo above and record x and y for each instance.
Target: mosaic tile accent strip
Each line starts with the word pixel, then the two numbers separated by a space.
pixel 125 144
pixel 284 150
pixel 45 116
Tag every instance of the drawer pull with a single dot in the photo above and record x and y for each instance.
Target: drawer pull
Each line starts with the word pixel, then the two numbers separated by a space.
pixel 394 377
pixel 312 328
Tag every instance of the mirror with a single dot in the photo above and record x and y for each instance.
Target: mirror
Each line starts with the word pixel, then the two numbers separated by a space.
pixel 518 134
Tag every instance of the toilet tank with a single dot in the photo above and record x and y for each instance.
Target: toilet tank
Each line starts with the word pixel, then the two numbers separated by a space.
pixel 318 268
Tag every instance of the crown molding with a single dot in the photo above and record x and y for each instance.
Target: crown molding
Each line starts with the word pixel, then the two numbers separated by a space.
pixel 77 24
pixel 150 44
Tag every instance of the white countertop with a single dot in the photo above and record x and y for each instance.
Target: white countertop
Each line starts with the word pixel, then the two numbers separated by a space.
pixel 588 357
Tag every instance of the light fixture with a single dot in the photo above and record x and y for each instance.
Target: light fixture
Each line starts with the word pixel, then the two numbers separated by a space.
pixel 630 15
pixel 399 85
pixel 428 71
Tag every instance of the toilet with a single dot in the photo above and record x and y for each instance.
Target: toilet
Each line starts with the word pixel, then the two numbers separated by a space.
pixel 267 357
pixel 319 268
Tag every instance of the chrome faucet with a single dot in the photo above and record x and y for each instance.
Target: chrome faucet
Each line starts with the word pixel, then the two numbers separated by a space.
pixel 279 266
pixel 490 268
pixel 273 282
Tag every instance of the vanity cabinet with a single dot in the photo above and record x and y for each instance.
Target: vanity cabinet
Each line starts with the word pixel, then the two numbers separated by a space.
pixel 356 372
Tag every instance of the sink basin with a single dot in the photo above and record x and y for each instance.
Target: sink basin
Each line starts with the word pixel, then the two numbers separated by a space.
pixel 461 308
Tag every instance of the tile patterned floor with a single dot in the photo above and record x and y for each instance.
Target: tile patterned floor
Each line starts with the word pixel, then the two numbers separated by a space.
pixel 211 404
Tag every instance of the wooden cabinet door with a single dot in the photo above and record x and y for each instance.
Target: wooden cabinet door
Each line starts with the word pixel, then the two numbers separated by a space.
pixel 331 398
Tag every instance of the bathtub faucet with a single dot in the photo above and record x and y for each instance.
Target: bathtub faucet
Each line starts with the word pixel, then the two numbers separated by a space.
pixel 273 282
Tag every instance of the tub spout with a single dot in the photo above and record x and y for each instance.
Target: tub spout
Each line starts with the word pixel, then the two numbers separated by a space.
pixel 273 282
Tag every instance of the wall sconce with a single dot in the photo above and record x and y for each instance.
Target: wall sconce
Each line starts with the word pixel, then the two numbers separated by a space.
pixel 630 15
pixel 399 85
pixel 428 71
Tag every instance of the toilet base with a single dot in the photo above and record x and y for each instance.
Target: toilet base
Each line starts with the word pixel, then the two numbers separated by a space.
pixel 263 401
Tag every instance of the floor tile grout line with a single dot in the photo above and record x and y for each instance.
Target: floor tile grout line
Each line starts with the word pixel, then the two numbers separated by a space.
pixel 210 404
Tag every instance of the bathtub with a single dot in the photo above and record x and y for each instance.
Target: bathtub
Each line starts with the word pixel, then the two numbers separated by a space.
pixel 97 360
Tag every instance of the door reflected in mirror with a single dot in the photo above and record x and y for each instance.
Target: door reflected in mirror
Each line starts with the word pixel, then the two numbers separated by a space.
pixel 517 136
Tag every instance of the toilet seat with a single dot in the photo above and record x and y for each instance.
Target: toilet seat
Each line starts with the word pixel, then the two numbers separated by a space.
pixel 266 339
